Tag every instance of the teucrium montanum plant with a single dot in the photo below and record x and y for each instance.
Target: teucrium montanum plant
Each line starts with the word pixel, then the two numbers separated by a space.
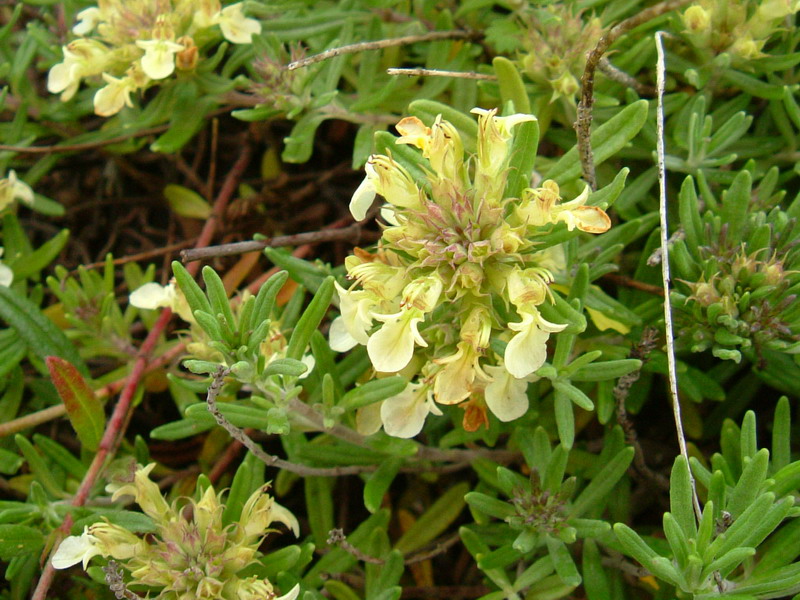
pixel 185 557
pixel 135 44
pixel 454 247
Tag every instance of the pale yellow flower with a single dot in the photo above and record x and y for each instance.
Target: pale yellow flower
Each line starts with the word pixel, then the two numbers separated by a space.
pixel 12 189
pixel 494 135
pixel 404 415
pixel 541 206
pixel 506 395
pixel 388 178
pixel 88 19
pixel 151 296
pixel 527 350
pixel 110 99
pixel 158 61
pixel 82 58
pixel 391 347
pixel 454 382
pixel 76 549
pixel 235 26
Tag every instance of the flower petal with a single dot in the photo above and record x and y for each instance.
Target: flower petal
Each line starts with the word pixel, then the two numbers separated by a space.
pixel 506 395
pixel 291 594
pixel 281 514
pixel 527 350
pixel 362 199
pixel 591 219
pixel 87 20
pixel 75 549
pixel 404 415
pixel 152 295
pixel 6 275
pixel 236 27
pixel 392 346
pixel 339 339
pixel 158 61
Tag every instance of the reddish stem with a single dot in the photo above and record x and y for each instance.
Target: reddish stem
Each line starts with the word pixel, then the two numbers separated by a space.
pixel 116 424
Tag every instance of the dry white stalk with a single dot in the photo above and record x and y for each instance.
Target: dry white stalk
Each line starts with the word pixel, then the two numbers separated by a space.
pixel 665 274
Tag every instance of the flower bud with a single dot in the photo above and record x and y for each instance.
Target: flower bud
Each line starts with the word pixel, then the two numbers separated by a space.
pixel 186 59
pixel 696 19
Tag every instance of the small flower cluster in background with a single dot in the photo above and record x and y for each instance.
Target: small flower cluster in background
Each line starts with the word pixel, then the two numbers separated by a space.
pixel 133 44
pixel 740 27
pixel 185 557
pixel 451 252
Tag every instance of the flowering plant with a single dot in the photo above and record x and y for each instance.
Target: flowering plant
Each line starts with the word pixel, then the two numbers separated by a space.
pixel 455 250
pixel 196 557
pixel 135 44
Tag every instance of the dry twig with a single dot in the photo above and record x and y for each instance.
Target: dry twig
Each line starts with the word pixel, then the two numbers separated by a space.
pixel 583 123
pixel 431 36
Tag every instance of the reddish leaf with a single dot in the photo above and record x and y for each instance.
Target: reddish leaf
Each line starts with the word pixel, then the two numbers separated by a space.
pixel 84 409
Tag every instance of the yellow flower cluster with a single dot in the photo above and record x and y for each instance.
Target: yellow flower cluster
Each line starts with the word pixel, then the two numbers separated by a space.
pixel 194 557
pixel 452 251
pixel 134 44
pixel 740 27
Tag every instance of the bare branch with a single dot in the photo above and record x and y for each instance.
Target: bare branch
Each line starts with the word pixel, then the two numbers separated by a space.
pixel 440 73
pixel 583 123
pixel 431 36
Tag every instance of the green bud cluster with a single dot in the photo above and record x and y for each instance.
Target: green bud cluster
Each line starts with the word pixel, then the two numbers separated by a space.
pixel 738 27
pixel 555 43
pixel 738 277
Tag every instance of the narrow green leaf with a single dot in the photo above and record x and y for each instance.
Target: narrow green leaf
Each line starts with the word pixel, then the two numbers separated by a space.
pixel 736 203
pixel 574 394
pixel 60 456
pixel 378 483
pixel 602 483
pixel 680 497
pixel 310 320
pixel 512 88
pixel 677 539
pixel 248 478
pixel 494 507
pixel 523 158
pixel 218 297
pixel 187 203
pixel 84 409
pixel 606 141
pixel 288 367
pixel 609 369
pixel 194 295
pixel 373 391
pixel 319 500
pixel 562 561
pixel 38 332
pixel 749 484
pixel 439 516
pixel 41 257
pixel 565 418
pixel 39 467
pixel 781 435
pixel 595 581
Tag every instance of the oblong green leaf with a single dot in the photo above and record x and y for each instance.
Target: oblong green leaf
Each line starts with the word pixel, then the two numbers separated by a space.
pixel 606 141
pixel 38 332
pixel 439 516
pixel 84 409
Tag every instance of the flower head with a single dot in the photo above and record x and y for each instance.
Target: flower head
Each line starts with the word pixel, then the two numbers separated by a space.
pixel 128 46
pixel 196 557
pixel 456 248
